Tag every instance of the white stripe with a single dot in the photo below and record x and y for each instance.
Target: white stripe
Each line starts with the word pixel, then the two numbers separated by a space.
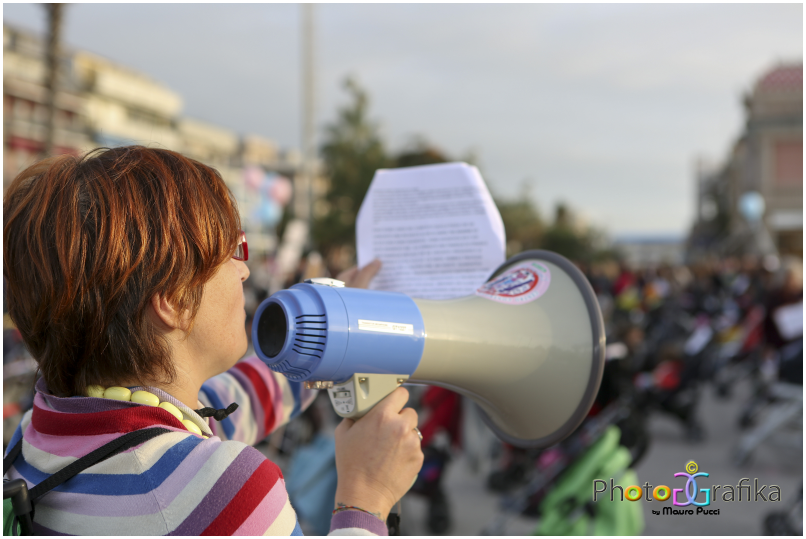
pixel 352 532
pixel 285 522
pixel 157 523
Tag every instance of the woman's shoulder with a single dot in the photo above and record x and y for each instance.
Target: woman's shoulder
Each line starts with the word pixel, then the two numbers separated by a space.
pixel 176 483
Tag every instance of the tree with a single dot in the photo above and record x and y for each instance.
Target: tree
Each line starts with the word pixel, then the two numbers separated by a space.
pixel 352 151
pixel 420 152
pixel 522 222
pixel 565 238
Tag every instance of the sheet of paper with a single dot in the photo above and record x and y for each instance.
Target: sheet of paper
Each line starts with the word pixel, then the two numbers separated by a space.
pixel 435 228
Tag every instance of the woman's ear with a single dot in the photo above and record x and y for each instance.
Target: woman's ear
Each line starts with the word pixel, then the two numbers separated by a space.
pixel 167 314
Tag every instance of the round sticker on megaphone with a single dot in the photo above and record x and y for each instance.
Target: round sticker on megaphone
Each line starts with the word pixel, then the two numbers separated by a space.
pixel 519 284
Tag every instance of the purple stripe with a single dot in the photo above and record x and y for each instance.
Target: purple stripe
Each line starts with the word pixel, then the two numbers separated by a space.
pixel 139 504
pixel 227 486
pixel 76 405
pixel 358 519
pixel 258 413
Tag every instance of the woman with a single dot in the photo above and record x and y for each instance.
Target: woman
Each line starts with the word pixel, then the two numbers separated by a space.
pixel 125 272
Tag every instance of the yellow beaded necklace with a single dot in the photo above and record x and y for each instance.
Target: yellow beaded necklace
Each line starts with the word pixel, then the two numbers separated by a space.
pixel 142 397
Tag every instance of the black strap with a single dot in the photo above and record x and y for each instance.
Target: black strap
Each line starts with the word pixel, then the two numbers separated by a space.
pixel 217 413
pixel 393 524
pixel 117 445
pixel 393 520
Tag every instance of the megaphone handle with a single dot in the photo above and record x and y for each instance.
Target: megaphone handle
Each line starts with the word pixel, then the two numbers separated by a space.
pixel 362 391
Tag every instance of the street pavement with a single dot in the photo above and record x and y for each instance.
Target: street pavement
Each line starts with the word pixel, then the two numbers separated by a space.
pixel 475 509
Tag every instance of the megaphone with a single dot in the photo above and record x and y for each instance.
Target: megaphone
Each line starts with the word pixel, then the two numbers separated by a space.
pixel 528 347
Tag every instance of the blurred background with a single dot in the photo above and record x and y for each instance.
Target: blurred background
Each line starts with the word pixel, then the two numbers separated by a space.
pixel 659 147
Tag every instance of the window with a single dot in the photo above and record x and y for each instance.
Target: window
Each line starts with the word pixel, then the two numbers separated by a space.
pixel 788 162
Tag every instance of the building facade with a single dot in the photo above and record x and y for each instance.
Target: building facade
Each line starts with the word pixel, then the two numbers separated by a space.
pixel 104 104
pixel 766 162
pixel 24 108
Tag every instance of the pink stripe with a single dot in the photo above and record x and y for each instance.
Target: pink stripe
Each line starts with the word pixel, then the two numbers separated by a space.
pixel 76 446
pixel 139 504
pixel 40 402
pixel 266 512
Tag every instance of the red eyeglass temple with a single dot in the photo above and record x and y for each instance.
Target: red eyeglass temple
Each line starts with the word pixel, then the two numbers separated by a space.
pixel 244 247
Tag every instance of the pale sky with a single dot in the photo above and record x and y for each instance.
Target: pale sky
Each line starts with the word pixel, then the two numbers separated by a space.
pixel 605 107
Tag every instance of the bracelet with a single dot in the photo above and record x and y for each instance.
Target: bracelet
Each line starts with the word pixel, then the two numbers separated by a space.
pixel 341 508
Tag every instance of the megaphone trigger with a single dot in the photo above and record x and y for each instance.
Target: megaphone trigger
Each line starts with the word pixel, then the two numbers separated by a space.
pixel 362 391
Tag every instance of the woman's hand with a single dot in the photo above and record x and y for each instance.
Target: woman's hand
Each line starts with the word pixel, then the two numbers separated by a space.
pixel 379 456
pixel 355 278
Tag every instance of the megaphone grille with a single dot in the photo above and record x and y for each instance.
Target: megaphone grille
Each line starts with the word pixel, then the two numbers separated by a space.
pixel 291 334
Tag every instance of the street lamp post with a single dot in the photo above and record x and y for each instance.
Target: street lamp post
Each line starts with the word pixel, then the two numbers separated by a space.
pixel 304 191
pixel 55 12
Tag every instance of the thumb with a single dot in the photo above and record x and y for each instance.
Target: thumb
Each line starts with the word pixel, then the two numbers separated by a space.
pixel 345 425
pixel 348 274
pixel 366 274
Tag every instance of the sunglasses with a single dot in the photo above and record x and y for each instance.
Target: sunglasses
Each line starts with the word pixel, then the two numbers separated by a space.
pixel 241 250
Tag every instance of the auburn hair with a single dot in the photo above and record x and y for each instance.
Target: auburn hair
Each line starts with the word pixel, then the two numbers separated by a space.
pixel 88 241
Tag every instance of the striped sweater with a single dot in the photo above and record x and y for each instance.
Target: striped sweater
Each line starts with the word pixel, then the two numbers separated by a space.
pixel 178 483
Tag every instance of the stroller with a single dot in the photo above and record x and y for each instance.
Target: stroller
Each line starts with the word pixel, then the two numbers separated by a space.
pixel 557 489
pixel 784 410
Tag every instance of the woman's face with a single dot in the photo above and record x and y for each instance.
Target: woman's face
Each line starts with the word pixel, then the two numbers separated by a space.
pixel 218 338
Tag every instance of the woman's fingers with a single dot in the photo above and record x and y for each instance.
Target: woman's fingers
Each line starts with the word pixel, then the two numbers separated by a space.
pixel 366 274
pixel 411 417
pixel 360 278
pixel 347 275
pixel 393 402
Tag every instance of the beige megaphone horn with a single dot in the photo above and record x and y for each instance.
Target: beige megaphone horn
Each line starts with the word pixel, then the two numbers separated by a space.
pixel 528 347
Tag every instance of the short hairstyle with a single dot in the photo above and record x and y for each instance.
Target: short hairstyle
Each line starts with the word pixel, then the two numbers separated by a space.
pixel 88 241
